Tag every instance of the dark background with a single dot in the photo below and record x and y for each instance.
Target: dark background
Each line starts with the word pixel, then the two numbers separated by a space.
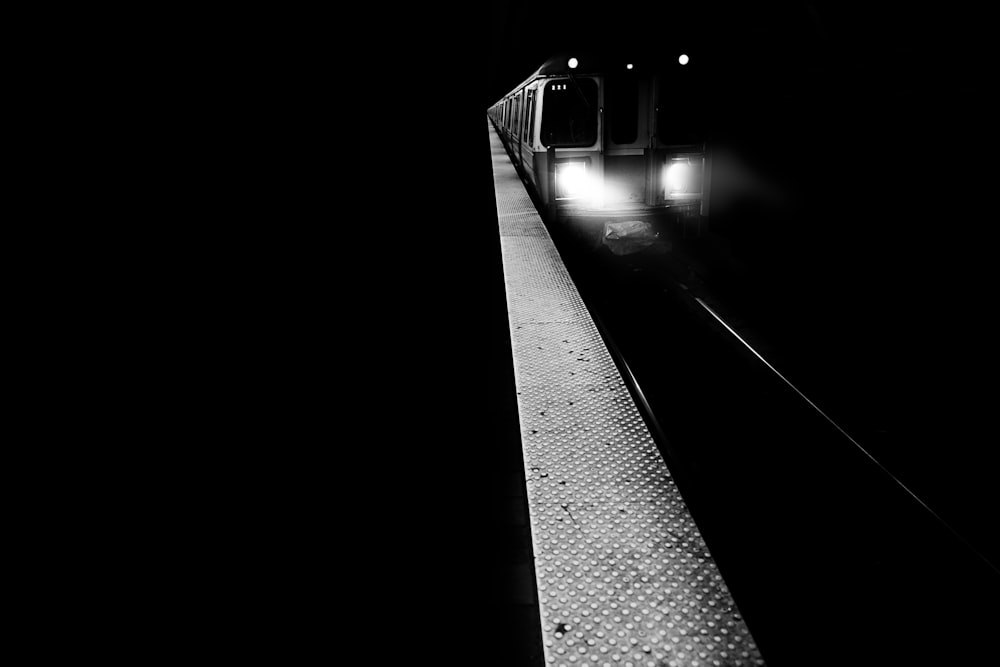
pixel 342 326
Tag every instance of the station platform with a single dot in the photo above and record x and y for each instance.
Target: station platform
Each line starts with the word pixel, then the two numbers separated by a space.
pixel 623 574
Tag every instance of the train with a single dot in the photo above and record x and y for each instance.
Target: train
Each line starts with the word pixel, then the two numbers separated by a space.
pixel 609 136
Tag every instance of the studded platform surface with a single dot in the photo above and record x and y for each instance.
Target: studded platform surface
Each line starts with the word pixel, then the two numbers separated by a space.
pixel 624 578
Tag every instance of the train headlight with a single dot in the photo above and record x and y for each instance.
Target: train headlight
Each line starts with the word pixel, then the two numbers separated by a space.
pixel 571 180
pixel 677 177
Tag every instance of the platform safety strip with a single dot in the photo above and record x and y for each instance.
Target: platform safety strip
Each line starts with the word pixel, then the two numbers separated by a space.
pixel 624 577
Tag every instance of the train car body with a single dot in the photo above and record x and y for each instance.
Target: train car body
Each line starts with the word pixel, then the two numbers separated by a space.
pixel 597 136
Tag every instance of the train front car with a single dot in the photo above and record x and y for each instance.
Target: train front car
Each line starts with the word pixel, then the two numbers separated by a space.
pixel 613 138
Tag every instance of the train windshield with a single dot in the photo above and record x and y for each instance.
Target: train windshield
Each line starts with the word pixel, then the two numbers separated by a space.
pixel 569 112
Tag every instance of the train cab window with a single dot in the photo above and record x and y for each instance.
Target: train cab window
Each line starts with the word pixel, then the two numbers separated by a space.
pixel 621 106
pixel 569 112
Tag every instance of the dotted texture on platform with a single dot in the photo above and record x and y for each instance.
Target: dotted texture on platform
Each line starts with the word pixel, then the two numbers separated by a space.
pixel 624 577
pixel 521 224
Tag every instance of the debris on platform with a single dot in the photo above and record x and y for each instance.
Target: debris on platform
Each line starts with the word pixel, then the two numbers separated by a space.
pixel 631 236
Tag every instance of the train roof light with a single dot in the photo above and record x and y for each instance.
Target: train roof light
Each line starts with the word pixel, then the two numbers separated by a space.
pixel 684 60
pixel 629 66
pixel 573 62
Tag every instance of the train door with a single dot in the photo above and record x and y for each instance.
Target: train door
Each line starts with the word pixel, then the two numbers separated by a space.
pixel 569 132
pixel 679 147
pixel 626 136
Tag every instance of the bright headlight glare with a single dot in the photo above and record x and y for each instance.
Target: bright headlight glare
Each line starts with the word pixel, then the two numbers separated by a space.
pixel 572 179
pixel 678 177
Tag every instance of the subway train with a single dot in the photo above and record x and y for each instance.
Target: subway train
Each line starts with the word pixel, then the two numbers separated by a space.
pixel 612 137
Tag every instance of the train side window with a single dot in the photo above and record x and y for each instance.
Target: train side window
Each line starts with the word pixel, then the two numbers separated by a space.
pixel 527 112
pixel 524 115
pixel 621 107
pixel 529 120
pixel 515 126
pixel 569 112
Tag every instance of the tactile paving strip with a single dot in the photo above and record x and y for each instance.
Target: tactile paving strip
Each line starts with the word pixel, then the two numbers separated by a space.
pixel 520 224
pixel 624 577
